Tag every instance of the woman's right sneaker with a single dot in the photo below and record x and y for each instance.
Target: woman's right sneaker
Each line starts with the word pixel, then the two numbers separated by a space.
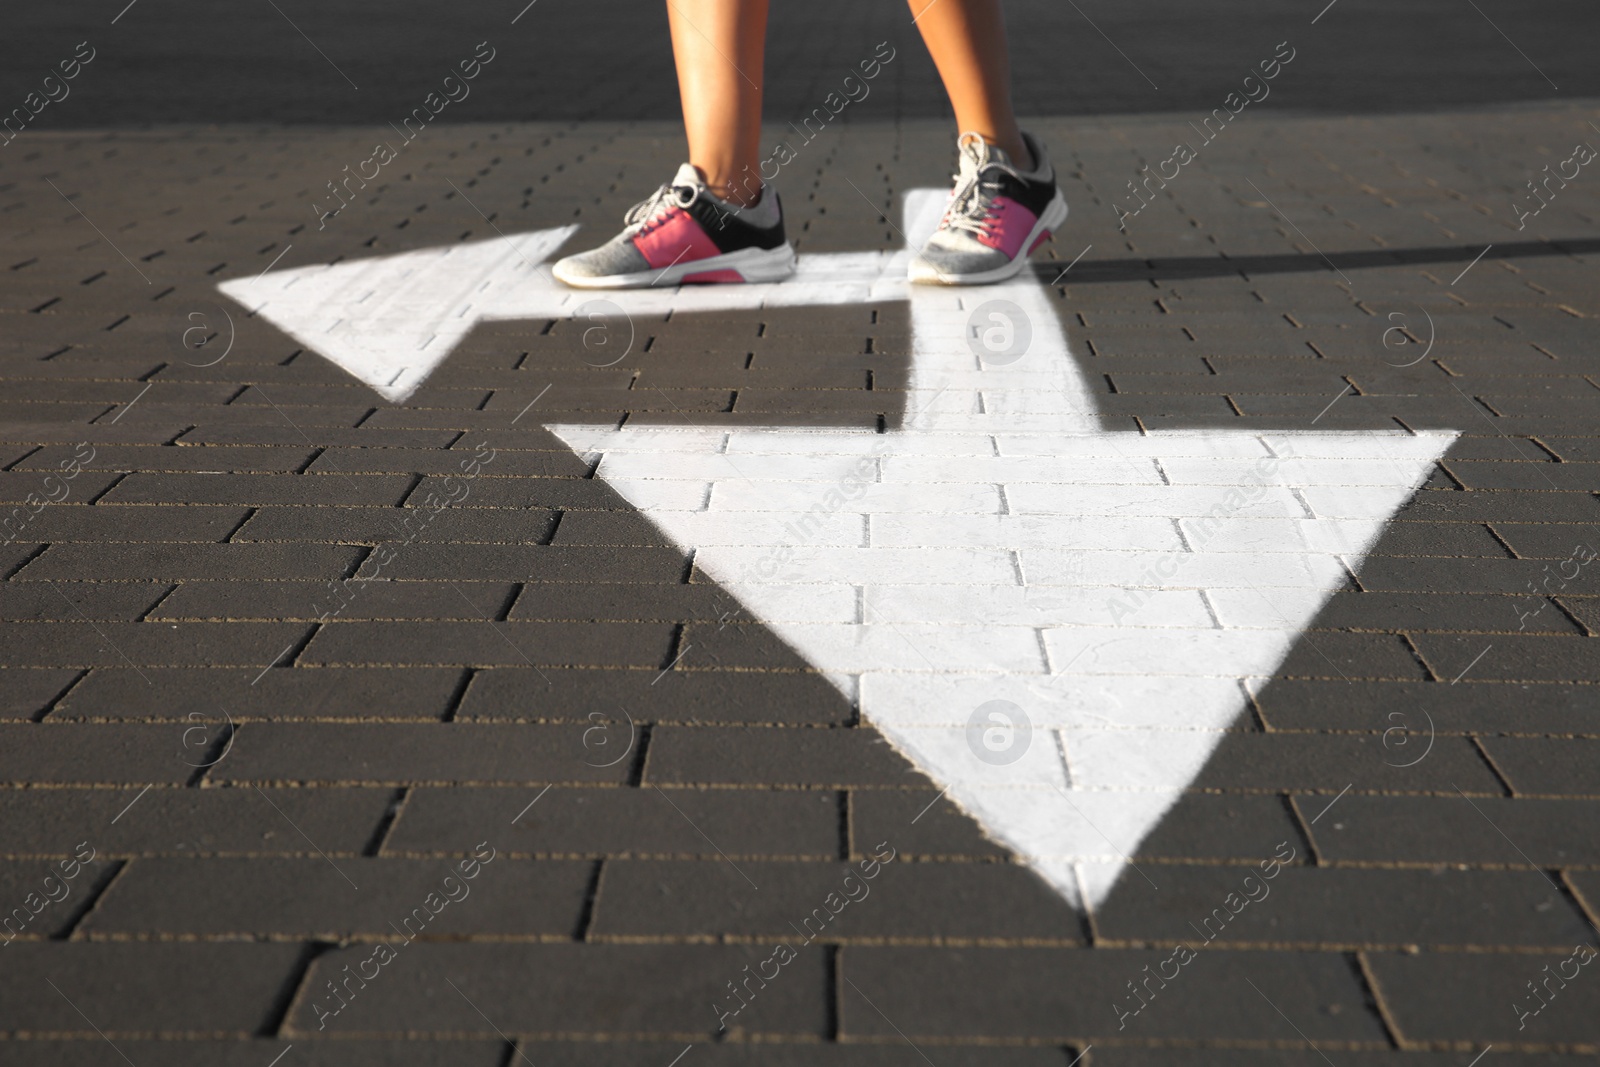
pixel 685 234
pixel 996 215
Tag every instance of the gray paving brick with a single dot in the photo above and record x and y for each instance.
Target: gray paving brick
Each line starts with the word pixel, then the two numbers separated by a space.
pixel 489 644
pixel 1550 766
pixel 1514 657
pixel 1129 1056
pixel 412 754
pixel 624 822
pixel 1394 574
pixel 45 898
pixel 139 988
pixel 1519 505
pixel 904 900
pixel 1438 539
pixel 1482 998
pixel 249 693
pixel 212 460
pixel 502 463
pixel 1304 761
pixel 1480 830
pixel 541 563
pixel 123 601
pixel 1062 993
pixel 116 644
pixel 1466 706
pixel 231 432
pixel 259 489
pixel 1586 610
pixel 29 490
pixel 72 752
pixel 378 599
pixel 918 824
pixel 313 898
pixel 105 523
pixel 778 756
pixel 651 695
pixel 172 821
pixel 1440 612
pixel 745 1054
pixel 1550 541
pixel 28 691
pixel 354 525
pixel 1576 477
pixel 166 562
pixel 1351 655
pixel 613 990
pixel 91 1052
pixel 1331 907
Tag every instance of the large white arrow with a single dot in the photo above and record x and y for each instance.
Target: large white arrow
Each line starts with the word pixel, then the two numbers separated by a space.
pixel 1055 622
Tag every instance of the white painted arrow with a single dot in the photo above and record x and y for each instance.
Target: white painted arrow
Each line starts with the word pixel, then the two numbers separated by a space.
pixel 391 320
pixel 1055 622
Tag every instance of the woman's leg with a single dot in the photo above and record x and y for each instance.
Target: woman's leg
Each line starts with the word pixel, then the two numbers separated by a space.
pixel 718 46
pixel 967 39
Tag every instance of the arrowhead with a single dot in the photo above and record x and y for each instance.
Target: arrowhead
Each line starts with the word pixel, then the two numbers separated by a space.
pixel 391 320
pixel 1055 622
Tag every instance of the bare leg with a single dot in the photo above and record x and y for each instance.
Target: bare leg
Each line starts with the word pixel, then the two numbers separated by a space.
pixel 967 39
pixel 718 46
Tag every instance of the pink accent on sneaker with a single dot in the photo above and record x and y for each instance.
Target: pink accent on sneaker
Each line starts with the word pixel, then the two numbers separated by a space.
pixel 724 275
pixel 1037 241
pixel 1009 226
pixel 676 238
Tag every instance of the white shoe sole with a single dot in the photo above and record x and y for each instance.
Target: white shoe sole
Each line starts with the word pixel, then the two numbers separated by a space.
pixel 750 264
pixel 921 272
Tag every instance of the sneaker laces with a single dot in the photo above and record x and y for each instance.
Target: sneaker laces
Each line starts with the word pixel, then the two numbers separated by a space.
pixel 642 215
pixel 972 201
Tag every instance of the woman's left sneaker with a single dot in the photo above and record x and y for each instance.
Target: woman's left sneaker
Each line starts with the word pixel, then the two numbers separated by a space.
pixel 684 234
pixel 996 215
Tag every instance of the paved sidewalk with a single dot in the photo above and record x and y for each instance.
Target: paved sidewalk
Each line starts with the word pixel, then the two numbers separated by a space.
pixel 249 768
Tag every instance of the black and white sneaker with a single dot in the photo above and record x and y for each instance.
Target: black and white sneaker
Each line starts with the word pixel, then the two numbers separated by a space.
pixel 685 234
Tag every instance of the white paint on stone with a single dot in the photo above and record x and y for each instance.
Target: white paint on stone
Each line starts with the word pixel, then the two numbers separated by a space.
pixel 1122 589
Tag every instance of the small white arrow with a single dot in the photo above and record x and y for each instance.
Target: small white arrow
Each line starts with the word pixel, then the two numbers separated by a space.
pixel 391 320
pixel 1053 621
